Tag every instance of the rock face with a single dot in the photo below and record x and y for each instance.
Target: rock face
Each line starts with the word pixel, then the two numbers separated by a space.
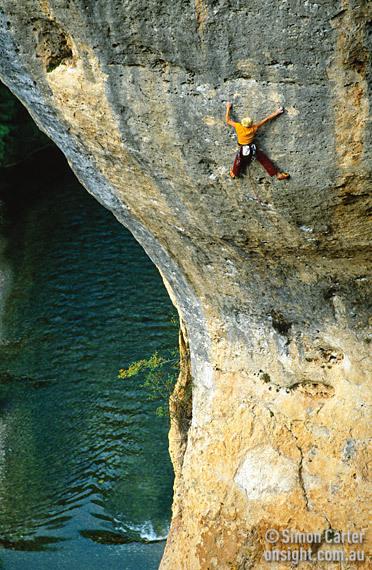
pixel 271 292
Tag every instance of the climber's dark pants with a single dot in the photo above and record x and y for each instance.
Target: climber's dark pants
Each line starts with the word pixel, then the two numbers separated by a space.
pixel 241 162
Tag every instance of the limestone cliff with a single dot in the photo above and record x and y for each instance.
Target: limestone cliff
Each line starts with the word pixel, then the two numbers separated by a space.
pixel 272 292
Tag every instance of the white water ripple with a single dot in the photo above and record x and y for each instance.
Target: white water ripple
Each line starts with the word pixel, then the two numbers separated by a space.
pixel 145 530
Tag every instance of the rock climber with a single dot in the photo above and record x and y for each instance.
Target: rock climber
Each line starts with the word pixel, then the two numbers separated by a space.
pixel 248 151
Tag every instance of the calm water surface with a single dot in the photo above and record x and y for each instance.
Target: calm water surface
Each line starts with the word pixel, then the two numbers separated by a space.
pixel 85 477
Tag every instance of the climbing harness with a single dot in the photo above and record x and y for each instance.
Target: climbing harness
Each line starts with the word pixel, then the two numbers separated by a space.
pixel 249 150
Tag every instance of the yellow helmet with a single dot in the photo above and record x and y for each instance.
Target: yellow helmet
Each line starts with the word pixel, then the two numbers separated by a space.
pixel 247 122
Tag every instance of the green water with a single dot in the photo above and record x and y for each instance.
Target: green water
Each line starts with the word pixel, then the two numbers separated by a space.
pixel 85 477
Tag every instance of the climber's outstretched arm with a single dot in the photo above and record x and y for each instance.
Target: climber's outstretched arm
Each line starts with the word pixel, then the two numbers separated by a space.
pixel 228 120
pixel 270 117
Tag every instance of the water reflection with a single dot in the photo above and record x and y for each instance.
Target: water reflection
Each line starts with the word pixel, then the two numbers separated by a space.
pixel 83 458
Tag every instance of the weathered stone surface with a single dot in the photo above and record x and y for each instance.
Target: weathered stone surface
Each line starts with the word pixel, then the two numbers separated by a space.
pixel 272 294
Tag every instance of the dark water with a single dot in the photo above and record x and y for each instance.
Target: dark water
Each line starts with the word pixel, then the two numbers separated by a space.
pixel 85 477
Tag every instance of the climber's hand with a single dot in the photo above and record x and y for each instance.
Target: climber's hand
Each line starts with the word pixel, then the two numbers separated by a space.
pixel 228 105
pixel 280 110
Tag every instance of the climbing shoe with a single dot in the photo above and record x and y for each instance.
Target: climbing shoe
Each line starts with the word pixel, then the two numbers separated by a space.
pixel 282 175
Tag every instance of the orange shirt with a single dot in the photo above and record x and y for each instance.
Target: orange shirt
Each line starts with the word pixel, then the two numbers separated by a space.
pixel 245 134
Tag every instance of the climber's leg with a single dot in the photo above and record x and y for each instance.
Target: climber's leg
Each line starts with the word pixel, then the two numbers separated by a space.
pixel 270 168
pixel 238 163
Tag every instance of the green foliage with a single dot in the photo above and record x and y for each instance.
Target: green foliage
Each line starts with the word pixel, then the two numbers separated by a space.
pixel 152 363
pixel 160 376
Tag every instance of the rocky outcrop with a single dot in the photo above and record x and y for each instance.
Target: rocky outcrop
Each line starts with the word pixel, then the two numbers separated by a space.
pixel 270 278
